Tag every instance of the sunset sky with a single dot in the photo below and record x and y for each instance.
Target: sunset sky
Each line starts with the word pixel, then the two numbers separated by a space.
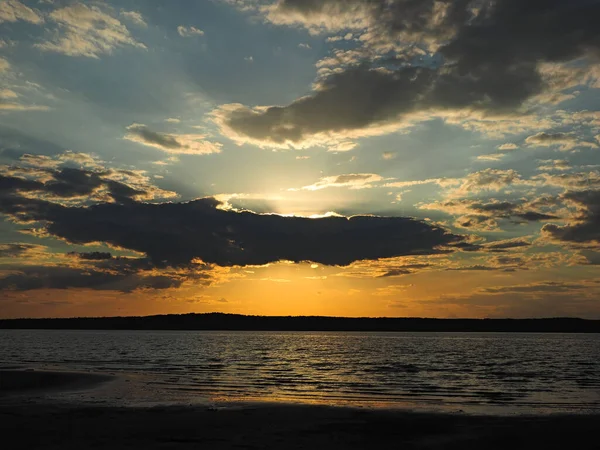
pixel 434 158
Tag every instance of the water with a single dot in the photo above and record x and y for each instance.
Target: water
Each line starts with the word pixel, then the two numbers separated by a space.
pixel 469 371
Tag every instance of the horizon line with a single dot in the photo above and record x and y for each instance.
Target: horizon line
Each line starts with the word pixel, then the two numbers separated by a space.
pixel 299 317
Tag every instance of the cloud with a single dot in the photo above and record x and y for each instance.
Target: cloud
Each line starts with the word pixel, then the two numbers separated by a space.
pixel 134 17
pixel 68 157
pixel 183 144
pixel 4 65
pixel 475 182
pixel 8 97
pixel 51 178
pixel 484 215
pixel 479 63
pixel 539 288
pixel 497 180
pixel 179 233
pixel 485 180
pixel 573 180
pixel 506 244
pixel 317 16
pixel 25 278
pixel 8 93
pixel 565 141
pixel 403 184
pixel 27 270
pixel 508 146
pixel 189 31
pixel 20 249
pixel 492 157
pixel 554 164
pixel 538 299
pixel 13 10
pixel 338 106
pixel 87 31
pixel 304 46
pixel 388 156
pixel 585 226
pixel 20 107
pixel 351 180
pixel 92 256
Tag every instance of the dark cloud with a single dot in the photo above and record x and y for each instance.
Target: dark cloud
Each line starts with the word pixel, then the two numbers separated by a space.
pixel 585 228
pixel 510 33
pixel 98 271
pixel 550 138
pixel 92 256
pixel 477 222
pixel 507 244
pixel 484 215
pixel 591 257
pixel 485 58
pixel 532 216
pixel 191 144
pixel 14 250
pixel 477 267
pixel 404 270
pixel 147 136
pixel 8 184
pixel 355 98
pixel 177 233
pixel 567 141
pixel 549 286
pixel 71 183
pixel 24 278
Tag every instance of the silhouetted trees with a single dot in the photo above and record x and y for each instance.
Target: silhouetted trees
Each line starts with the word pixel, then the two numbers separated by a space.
pixel 220 321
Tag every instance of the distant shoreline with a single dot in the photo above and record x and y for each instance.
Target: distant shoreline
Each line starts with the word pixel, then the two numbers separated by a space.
pixel 236 322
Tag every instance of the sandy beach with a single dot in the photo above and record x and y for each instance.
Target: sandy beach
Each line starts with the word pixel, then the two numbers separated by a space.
pixel 29 424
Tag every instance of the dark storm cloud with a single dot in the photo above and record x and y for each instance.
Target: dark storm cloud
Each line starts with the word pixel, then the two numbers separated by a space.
pixel 585 228
pixel 486 61
pixel 177 233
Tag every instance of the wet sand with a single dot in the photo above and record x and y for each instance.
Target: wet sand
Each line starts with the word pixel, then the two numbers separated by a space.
pixel 27 424
pixel 24 381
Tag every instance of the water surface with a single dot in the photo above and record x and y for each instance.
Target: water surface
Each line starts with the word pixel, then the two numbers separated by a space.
pixel 470 371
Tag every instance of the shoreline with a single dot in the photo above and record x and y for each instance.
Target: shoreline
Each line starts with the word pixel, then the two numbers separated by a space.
pixel 78 388
pixel 284 427
pixel 71 424
pixel 30 381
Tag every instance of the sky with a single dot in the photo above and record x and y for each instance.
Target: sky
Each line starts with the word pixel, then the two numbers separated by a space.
pixel 410 158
